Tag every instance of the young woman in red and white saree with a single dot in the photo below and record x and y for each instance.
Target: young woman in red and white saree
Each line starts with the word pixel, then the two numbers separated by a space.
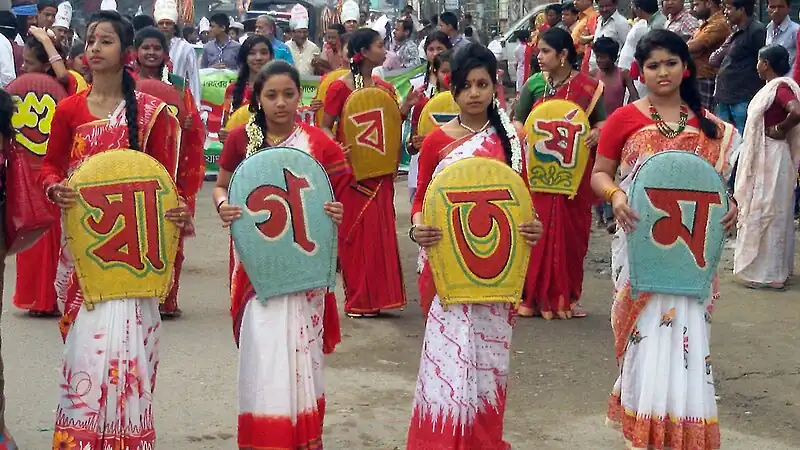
pixel 111 352
pixel 664 396
pixel 460 397
pixel 368 252
pixel 766 176
pixel 37 266
pixel 151 57
pixel 253 54
pixel 281 341
pixel 555 274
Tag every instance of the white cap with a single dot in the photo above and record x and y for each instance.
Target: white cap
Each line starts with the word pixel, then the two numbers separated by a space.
pixel 349 11
pixel 237 25
pixel 298 19
pixel 204 25
pixel 63 15
pixel 108 5
pixel 380 26
pixel 165 10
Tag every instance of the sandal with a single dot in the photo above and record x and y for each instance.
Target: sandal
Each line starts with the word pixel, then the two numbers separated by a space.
pixel 362 315
pixel 578 312
pixel 777 287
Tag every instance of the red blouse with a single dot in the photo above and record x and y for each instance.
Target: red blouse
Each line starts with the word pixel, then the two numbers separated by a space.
pixel 624 122
pixel 74 111
pixel 776 113
pixel 338 92
pixel 428 160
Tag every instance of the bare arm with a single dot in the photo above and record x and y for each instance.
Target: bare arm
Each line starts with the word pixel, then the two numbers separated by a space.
pixel 327 125
pixel 633 94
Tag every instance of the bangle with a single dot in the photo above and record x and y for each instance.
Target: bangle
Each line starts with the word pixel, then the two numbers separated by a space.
pixel 610 191
pixel 54 58
pixel 49 193
pixel 220 202
pixel 411 233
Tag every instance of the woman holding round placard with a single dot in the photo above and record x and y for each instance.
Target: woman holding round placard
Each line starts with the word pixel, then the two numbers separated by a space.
pixel 151 45
pixel 665 390
pixel 111 351
pixel 281 341
pixel 461 388
pixel 555 274
pixel 368 253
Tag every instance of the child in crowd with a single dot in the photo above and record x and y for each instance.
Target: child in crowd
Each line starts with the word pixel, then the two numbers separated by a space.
pixel 616 81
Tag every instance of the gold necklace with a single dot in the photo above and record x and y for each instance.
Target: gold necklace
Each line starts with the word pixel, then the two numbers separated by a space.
pixel 460 123
pixel 274 140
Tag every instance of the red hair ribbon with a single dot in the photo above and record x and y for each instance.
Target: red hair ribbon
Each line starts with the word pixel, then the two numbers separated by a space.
pixel 358 58
pixel 446 79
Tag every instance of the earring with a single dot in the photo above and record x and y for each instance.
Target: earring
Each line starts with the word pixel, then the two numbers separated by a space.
pixel 563 62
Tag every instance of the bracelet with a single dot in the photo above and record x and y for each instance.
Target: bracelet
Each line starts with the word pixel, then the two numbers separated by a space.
pixel 411 233
pixel 220 202
pixel 609 192
pixel 54 58
pixel 49 193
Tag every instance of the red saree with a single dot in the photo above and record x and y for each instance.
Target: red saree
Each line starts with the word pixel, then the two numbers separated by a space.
pixel 368 251
pixel 189 180
pixel 37 266
pixel 555 273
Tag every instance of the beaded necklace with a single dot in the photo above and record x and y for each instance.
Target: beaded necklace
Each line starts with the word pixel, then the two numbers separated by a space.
pixel 664 128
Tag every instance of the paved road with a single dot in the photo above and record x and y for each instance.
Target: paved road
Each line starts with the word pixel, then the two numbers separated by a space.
pixel 561 371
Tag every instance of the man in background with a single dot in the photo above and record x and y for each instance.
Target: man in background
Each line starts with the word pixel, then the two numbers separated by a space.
pixel 405 49
pixel 190 34
pixel 47 13
pixel 182 55
pixel 303 51
pixel 584 30
pixel 220 52
pixel 265 25
pixel 332 56
pixel 610 24
pixel 709 37
pixel 680 21
pixel 448 24
pixel 205 27
pixel 8 31
pixel 781 30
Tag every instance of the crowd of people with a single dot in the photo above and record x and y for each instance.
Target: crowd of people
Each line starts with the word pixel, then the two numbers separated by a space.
pixel 713 81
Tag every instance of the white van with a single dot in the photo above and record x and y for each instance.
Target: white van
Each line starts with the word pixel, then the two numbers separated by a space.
pixel 510 42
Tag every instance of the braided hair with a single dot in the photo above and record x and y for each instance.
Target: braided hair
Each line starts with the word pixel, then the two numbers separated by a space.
pixel 124 31
pixel 360 40
pixel 433 65
pixel 152 33
pixel 473 57
pixel 244 68
pixel 270 69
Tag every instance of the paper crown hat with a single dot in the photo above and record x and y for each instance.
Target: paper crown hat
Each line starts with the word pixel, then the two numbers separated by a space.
pixel 165 10
pixel 298 17
pixel 349 11
pixel 108 5
pixel 63 15
pixel 204 25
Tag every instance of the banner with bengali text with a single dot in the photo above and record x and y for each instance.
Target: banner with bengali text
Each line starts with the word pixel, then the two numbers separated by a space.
pixel 215 82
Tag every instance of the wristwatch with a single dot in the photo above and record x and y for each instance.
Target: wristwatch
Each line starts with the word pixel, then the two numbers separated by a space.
pixel 411 233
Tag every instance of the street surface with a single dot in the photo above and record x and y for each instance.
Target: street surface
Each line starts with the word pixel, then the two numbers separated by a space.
pixel 561 371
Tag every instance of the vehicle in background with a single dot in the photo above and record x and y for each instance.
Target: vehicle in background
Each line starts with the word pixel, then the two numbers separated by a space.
pixel 280 10
pixel 510 41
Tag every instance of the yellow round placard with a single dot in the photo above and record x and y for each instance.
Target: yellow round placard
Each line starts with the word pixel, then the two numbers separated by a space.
pixel 79 80
pixel 557 150
pixel 372 128
pixel 479 204
pixel 439 110
pixel 122 244
pixel 322 89
pixel 238 118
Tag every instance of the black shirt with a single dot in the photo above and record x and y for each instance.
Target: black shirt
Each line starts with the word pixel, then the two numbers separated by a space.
pixel 737 79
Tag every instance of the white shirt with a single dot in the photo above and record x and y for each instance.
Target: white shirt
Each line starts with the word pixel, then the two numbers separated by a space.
pixel 616 28
pixel 7 71
pixel 303 57
pixel 184 64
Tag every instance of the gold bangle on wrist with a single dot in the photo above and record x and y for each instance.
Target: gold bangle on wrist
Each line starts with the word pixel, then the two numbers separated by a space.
pixel 609 192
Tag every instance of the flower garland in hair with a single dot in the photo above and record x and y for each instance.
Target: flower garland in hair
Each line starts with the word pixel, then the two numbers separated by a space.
pixel 358 79
pixel 254 136
pixel 511 132
pixel 165 74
